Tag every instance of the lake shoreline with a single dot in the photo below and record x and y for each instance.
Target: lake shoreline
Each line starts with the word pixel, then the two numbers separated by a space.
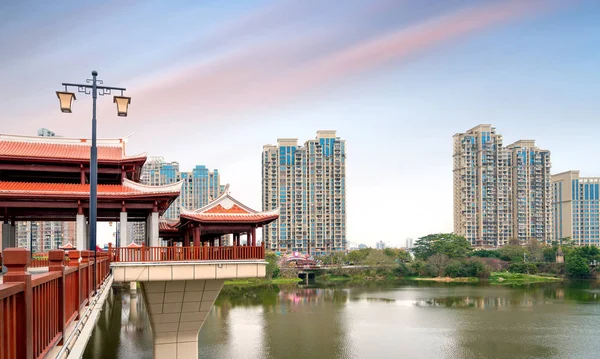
pixel 496 278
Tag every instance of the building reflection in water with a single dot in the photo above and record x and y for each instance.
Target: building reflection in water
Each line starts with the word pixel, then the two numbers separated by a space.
pixel 414 321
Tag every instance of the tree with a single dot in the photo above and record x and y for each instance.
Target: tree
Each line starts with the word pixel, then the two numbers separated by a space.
pixel 438 263
pixel 358 256
pixel 550 254
pixel 377 258
pixel 272 270
pixel 397 254
pixel 449 244
pixel 513 253
pixel 577 266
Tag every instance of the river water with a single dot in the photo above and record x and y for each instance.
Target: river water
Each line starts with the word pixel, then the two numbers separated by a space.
pixel 404 320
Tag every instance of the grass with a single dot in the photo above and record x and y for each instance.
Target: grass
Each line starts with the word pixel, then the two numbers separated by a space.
pixel 507 278
pixel 446 279
pixel 262 281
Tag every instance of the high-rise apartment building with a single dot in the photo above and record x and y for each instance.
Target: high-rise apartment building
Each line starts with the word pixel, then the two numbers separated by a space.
pixel 576 213
pixel 500 193
pixel 44 236
pixel 200 186
pixel 308 184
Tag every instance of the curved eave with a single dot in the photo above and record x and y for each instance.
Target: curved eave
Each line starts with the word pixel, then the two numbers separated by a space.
pixel 149 189
pixel 128 159
pixel 85 195
pixel 226 218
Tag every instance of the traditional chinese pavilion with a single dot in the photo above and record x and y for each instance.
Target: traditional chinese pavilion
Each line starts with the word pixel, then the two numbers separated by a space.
pixel 47 179
pixel 207 225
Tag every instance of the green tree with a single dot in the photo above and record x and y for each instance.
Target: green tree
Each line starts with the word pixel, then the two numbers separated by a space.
pixel 358 256
pixel 589 253
pixel 449 244
pixel 378 258
pixel 398 254
pixel 577 267
pixel 513 253
pixel 272 270
pixel 486 253
pixel 549 254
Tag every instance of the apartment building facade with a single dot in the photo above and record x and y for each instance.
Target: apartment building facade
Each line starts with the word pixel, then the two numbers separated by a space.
pixel 500 192
pixel 576 203
pixel 308 184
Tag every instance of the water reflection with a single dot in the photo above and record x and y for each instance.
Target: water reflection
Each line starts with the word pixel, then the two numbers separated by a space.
pixel 410 320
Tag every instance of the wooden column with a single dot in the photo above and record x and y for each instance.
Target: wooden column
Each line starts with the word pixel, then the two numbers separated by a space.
pixel 56 258
pixel 196 236
pixel 82 179
pixel 17 260
pixel 220 241
pixel 254 236
pixel 186 238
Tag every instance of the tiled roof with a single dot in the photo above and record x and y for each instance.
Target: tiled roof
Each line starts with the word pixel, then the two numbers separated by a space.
pixel 220 209
pixel 62 148
pixel 127 189
pixel 167 226
pixel 226 209
pixel 263 217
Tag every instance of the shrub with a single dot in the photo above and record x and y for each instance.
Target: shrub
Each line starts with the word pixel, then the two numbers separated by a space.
pixel 467 268
pixel 494 264
pixel 485 253
pixel 577 267
pixel 454 269
pixel 523 268
pixel 551 268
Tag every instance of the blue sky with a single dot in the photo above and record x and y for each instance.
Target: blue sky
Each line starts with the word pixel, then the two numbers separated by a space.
pixel 213 81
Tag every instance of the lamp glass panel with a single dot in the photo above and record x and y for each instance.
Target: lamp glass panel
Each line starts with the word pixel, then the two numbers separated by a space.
pixel 66 101
pixel 122 105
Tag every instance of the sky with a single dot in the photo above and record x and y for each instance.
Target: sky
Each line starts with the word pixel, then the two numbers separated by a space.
pixel 213 81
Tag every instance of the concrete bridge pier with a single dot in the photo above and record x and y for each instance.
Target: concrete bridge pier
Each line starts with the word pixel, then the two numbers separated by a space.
pixel 177 310
pixel 179 297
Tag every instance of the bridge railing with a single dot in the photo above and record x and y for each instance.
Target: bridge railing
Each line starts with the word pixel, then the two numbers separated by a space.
pixel 180 254
pixel 36 309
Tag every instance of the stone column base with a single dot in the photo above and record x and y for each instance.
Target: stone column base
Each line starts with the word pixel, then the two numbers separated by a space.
pixel 177 310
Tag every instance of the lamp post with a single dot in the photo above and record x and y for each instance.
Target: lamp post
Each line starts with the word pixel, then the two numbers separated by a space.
pixel 66 101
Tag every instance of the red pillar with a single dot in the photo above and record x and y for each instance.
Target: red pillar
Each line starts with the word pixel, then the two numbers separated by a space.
pixel 197 237
pixel 82 174
pixel 186 238
pixel 253 236
pixel 17 260
pixel 221 241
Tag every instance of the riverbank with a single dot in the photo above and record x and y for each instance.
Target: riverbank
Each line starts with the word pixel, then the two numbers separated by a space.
pixel 507 278
pixel 256 282
pixel 497 278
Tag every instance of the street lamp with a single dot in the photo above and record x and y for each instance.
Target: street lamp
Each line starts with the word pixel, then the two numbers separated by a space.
pixel 66 101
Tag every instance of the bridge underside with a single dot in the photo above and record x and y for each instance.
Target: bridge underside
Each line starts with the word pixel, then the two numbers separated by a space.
pixel 179 297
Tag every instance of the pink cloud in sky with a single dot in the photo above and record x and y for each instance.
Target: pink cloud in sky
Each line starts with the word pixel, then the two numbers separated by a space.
pixel 269 73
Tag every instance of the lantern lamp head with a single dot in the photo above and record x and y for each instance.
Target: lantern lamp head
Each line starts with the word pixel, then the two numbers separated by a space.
pixel 66 100
pixel 122 105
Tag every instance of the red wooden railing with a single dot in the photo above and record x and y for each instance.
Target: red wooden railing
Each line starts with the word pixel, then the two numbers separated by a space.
pixel 36 309
pixel 178 254
pixel 39 260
